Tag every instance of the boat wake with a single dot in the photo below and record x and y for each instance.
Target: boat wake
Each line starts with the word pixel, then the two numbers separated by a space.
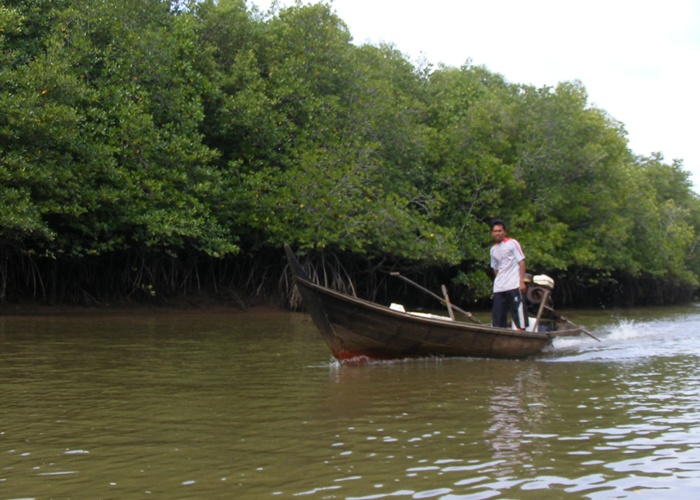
pixel 629 340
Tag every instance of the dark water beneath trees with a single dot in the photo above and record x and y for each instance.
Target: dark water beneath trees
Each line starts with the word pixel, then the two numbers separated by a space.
pixel 194 405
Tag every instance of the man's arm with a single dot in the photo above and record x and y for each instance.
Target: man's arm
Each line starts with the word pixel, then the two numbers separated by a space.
pixel 523 285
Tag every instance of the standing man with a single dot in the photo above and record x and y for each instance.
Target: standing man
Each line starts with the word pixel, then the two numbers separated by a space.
pixel 508 263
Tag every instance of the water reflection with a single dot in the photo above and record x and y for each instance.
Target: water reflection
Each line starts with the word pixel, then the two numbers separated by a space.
pixel 516 407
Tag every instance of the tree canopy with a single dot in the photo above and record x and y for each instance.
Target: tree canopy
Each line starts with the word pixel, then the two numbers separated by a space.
pixel 180 135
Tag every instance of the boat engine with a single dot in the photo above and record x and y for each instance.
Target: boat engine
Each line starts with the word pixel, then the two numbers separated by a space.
pixel 538 290
pixel 537 286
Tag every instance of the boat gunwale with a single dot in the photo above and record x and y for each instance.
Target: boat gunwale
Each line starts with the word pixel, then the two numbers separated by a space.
pixel 443 323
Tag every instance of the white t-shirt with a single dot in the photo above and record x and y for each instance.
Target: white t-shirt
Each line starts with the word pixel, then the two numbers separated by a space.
pixel 505 258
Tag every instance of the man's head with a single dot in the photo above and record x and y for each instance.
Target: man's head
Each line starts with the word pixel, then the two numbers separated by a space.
pixel 498 230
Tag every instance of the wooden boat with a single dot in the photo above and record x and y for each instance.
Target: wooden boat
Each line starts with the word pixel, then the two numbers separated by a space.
pixel 355 329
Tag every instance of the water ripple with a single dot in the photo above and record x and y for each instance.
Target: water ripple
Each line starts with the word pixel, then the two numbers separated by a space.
pixel 249 407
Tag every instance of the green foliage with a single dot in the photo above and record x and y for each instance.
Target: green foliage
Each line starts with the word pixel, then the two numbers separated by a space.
pixel 101 134
pixel 575 217
pixel 471 166
pixel 665 215
pixel 205 128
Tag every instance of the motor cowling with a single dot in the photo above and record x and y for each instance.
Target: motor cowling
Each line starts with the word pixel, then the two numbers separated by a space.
pixel 537 288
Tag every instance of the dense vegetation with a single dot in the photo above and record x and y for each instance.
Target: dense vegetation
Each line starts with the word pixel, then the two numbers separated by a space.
pixel 153 148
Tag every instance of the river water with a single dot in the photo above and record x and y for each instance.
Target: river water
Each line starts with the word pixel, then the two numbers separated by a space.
pixel 250 405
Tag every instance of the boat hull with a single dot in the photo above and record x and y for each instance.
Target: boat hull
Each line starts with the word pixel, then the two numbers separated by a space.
pixel 354 328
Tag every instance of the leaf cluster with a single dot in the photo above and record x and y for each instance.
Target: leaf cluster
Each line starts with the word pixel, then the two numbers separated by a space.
pixel 212 129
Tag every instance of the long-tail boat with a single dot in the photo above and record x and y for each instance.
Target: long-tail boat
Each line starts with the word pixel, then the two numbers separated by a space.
pixel 355 329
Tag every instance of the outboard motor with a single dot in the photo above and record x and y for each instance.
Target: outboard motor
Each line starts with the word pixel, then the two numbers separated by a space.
pixel 538 287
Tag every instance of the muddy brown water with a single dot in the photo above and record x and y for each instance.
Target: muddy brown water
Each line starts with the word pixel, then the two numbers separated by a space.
pixel 233 405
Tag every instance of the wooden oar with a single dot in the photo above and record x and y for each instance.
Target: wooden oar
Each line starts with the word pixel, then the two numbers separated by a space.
pixel 441 299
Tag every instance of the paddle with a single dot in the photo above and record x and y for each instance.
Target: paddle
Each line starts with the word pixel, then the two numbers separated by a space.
pixel 441 299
